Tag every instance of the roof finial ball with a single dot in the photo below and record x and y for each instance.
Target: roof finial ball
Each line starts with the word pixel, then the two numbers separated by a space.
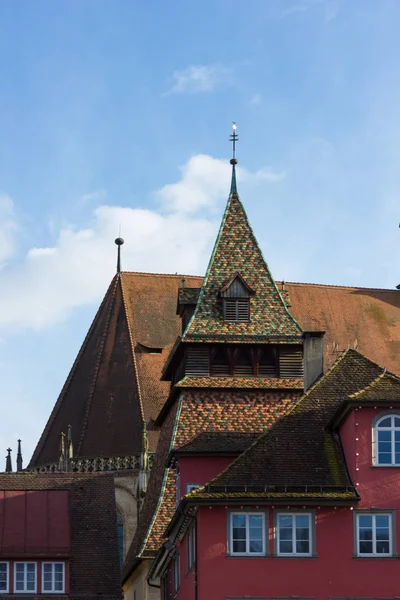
pixel 119 241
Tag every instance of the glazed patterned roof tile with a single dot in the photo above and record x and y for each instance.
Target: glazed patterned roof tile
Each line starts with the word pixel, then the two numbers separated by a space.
pixel 250 411
pixel 236 250
pixel 340 494
pixel 188 295
pixel 240 383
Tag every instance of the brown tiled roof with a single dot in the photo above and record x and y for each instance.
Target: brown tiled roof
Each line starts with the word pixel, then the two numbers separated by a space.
pixel 217 442
pixel 114 384
pixel 386 387
pixel 297 450
pixel 240 383
pixel 94 558
pixel 331 494
pixel 368 319
pixel 236 251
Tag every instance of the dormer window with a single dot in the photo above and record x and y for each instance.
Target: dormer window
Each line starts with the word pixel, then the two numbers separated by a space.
pixel 236 309
pixel 236 299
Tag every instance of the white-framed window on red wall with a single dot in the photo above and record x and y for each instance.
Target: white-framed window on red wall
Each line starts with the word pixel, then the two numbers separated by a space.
pixel 25 577
pixel 386 436
pixel 4 577
pixel 53 577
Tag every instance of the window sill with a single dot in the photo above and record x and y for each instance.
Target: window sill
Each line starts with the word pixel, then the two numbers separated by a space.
pixel 385 466
pixel 375 557
pixel 295 557
pixel 247 556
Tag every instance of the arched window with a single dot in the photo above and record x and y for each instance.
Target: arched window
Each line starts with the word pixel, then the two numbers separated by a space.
pixel 120 527
pixel 387 440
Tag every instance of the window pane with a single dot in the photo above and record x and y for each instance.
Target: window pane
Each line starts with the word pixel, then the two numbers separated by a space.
pixel 384 459
pixel 365 534
pixel 382 521
pixel 239 546
pixel 302 547
pixel 397 421
pixel 239 534
pixel 385 447
pixel 47 568
pixel 239 520
pixel 382 547
pixel 365 547
pixel 365 520
pixel 20 568
pixel 384 435
pixel 397 459
pixel 302 521
pixel 385 422
pixel 286 534
pixel 256 546
pixel 302 534
pixel 285 521
pixel 397 436
pixel 256 534
pixel 285 547
pixel 255 521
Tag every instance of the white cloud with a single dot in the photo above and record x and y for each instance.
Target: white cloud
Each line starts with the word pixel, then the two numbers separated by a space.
pixel 256 99
pixel 95 196
pixel 200 78
pixel 204 180
pixel 50 282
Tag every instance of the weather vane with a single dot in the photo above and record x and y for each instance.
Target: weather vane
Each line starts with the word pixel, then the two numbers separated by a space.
pixel 234 138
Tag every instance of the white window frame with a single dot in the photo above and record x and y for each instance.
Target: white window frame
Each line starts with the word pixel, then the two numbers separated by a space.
pixel 247 515
pixel 392 429
pixel 6 591
pixel 293 515
pixel 374 554
pixel 53 590
pixel 25 590
pixel 176 573
pixel 190 487
pixel 191 547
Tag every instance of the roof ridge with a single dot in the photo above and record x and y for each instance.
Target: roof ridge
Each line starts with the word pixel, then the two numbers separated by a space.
pixel 131 338
pixel 375 382
pixel 57 406
pixel 339 286
pixel 172 275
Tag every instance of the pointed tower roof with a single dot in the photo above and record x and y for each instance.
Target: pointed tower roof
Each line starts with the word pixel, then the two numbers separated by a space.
pixel 236 252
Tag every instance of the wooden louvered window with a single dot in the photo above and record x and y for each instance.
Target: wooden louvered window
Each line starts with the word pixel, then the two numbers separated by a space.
pixel 237 309
pixel 243 365
pixel 220 365
pixel 290 362
pixel 198 361
pixel 267 366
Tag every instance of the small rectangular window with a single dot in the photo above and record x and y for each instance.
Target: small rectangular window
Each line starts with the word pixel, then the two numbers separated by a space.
pixel 247 534
pixel 374 534
pixel 294 534
pixel 176 573
pixel 53 577
pixel 4 577
pixel 192 486
pixel 25 577
pixel 191 547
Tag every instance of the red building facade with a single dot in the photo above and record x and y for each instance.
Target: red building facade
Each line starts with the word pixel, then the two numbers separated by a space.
pixel 308 508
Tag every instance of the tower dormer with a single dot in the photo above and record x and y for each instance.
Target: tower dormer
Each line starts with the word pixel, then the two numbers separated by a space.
pixel 235 297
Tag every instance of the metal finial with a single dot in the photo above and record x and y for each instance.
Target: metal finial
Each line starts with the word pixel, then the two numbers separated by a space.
pixel 19 457
pixel 8 461
pixel 233 138
pixel 119 241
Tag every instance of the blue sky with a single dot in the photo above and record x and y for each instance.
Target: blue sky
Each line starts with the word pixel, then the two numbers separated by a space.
pixel 118 114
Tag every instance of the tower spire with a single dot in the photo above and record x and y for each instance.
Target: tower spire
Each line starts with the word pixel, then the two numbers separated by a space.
pixel 8 461
pixel 233 138
pixel 19 457
pixel 119 241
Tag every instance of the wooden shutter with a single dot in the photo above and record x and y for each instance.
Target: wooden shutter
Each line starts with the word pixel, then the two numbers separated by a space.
pixel 237 309
pixel 290 362
pixel 198 361
pixel 267 366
